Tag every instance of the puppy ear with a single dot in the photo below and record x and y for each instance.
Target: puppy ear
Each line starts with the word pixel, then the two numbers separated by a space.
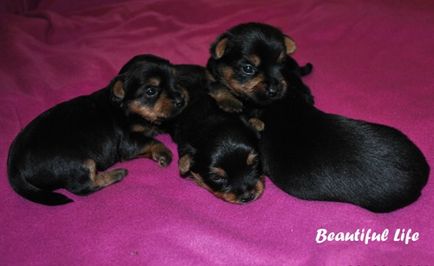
pixel 117 88
pixel 290 45
pixel 219 46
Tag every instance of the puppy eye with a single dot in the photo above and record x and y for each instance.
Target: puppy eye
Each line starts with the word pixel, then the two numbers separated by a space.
pixel 226 188
pixel 150 91
pixel 248 69
pixel 218 179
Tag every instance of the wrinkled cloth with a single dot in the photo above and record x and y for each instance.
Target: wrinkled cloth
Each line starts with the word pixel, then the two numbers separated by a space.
pixel 373 60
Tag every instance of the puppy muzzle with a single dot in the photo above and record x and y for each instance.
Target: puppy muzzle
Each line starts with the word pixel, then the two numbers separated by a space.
pixel 179 102
pixel 275 90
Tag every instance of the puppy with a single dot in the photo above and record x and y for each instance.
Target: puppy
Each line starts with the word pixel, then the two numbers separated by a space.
pixel 319 156
pixel 306 152
pixel 70 145
pixel 248 66
pixel 216 148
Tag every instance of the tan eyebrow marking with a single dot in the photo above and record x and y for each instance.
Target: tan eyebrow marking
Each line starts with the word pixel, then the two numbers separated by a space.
pixel 154 81
pixel 255 60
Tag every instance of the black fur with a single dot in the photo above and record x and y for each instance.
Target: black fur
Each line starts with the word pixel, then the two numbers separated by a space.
pixel 62 146
pixel 211 139
pixel 318 156
pixel 306 152
pixel 243 42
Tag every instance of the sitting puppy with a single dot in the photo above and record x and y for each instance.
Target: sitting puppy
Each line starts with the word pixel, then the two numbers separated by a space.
pixel 70 144
pixel 248 66
pixel 318 156
pixel 216 148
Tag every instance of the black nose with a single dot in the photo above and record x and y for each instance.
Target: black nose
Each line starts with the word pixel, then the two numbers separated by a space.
pixel 246 197
pixel 179 102
pixel 272 91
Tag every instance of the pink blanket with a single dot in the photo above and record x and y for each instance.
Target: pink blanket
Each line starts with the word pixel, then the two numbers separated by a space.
pixel 373 61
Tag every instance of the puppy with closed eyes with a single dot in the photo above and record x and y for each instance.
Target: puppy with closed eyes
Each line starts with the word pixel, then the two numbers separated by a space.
pixel 248 65
pixel 72 144
pixel 215 148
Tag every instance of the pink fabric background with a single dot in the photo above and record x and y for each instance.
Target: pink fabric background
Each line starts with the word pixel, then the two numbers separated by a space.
pixel 373 60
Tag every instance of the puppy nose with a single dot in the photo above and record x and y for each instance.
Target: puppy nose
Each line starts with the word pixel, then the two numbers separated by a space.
pixel 272 91
pixel 179 102
pixel 246 197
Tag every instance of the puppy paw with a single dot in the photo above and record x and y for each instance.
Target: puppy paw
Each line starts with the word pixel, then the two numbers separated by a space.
pixel 163 157
pixel 104 179
pixel 184 164
pixel 118 174
pixel 226 101
pixel 231 106
pixel 257 124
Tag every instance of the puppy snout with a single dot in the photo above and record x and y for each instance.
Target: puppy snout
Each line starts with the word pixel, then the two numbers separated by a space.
pixel 276 88
pixel 179 102
pixel 246 197
pixel 272 91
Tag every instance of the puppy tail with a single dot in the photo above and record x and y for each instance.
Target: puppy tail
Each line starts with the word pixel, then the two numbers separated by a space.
pixel 26 189
pixel 35 194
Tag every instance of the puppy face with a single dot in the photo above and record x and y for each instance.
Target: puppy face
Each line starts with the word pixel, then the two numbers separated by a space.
pixel 249 60
pixel 146 87
pixel 235 178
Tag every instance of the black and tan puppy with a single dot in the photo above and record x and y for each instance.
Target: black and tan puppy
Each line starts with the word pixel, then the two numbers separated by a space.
pixel 70 145
pixel 216 148
pixel 319 156
pixel 306 152
pixel 248 65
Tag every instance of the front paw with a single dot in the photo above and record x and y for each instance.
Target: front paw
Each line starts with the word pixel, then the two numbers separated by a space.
pixel 226 100
pixel 118 174
pixel 163 157
pixel 257 124
pixel 184 165
pixel 231 105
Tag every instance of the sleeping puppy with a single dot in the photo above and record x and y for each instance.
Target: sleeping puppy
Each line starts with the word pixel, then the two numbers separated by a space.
pixel 319 156
pixel 70 145
pixel 215 148
pixel 248 66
